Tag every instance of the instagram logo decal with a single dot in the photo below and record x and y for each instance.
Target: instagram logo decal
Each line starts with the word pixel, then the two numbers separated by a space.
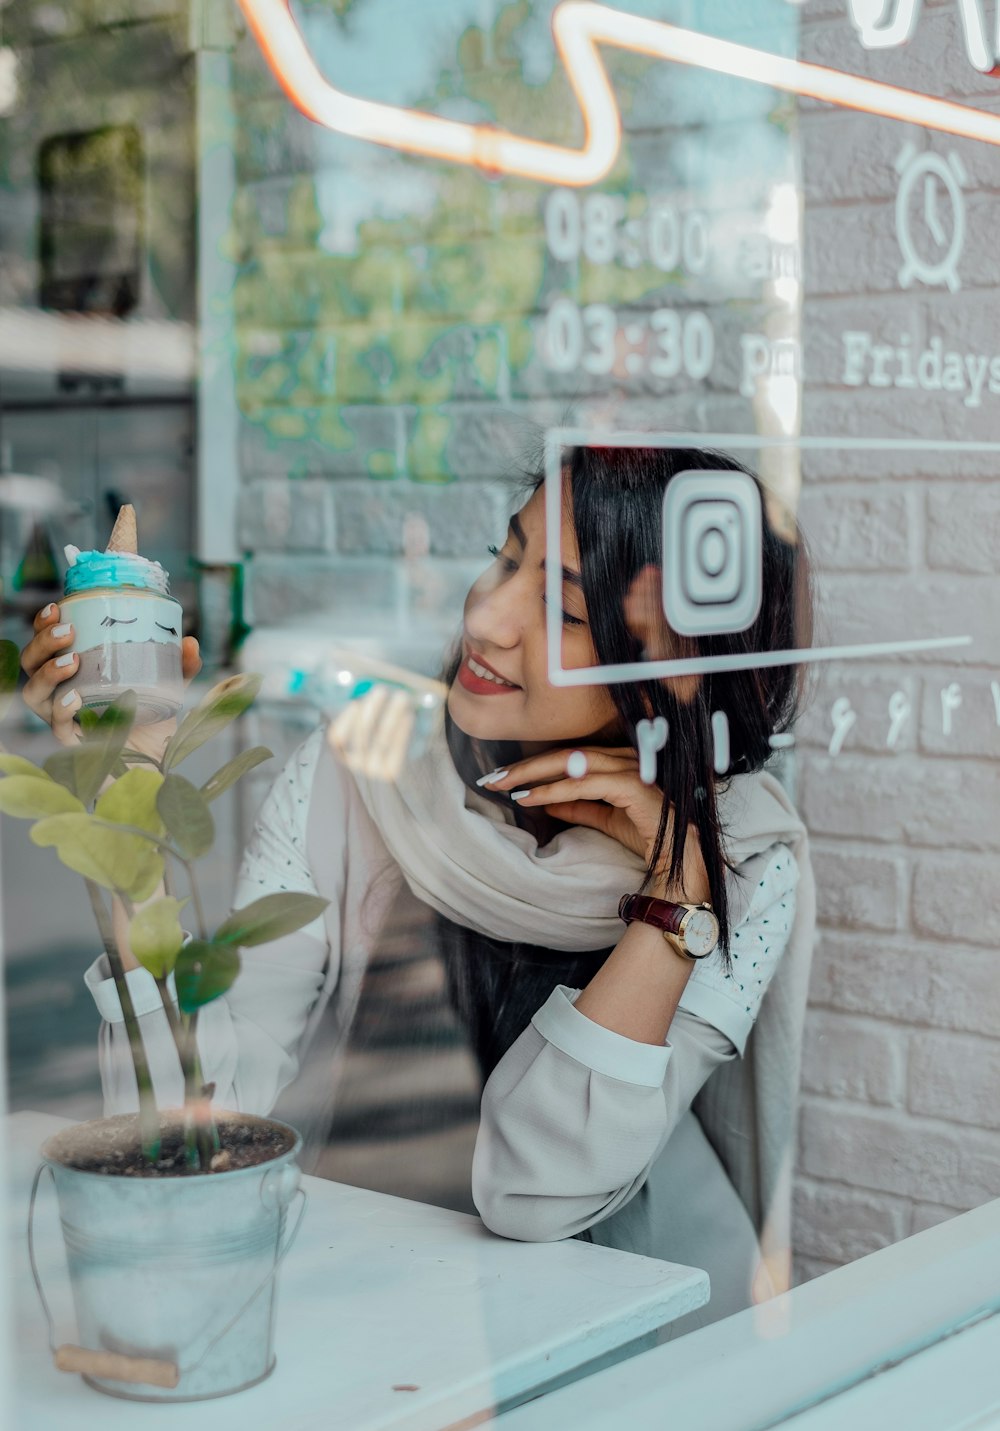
pixel 711 563
pixel 712 529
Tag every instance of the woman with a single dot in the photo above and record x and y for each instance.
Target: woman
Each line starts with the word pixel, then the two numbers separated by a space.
pixel 594 1036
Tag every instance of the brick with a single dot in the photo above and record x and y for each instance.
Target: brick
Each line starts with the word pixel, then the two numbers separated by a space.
pixel 975 725
pixel 955 1076
pixel 851 250
pixel 847 1057
pixel 963 528
pixel 860 412
pixel 433 593
pixel 826 320
pixel 858 891
pixel 850 156
pixel 277 515
pixel 930 1214
pixel 957 897
pixel 870 695
pixel 929 983
pixel 839 1225
pixel 292 368
pixel 328 441
pixel 890 607
pixel 484 280
pixel 936 49
pixel 449 520
pixel 420 362
pixel 850 530
pixel 280 589
pixel 966 321
pixel 897 1153
pixel 906 800
pixel 471 442
pixel 978 159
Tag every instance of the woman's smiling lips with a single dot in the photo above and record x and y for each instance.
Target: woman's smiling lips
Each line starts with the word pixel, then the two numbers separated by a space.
pixel 476 676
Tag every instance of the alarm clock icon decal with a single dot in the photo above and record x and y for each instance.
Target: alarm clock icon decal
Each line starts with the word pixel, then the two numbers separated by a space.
pixel 930 217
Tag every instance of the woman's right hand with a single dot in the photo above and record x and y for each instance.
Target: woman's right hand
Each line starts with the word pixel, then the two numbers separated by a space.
pixel 50 663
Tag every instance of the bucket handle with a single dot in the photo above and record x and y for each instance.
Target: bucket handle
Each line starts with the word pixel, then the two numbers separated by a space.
pixel 115 1366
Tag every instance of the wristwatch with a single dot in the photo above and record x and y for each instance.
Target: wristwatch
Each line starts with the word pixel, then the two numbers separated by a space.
pixel 691 929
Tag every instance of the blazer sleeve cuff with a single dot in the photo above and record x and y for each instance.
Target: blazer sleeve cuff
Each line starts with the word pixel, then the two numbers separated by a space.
pixel 597 1048
pixel 141 985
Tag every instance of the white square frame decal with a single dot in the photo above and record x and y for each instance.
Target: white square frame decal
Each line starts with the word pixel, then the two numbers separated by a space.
pixel 559 438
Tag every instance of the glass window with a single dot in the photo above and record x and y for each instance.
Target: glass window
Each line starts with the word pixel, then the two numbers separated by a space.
pixel 569 432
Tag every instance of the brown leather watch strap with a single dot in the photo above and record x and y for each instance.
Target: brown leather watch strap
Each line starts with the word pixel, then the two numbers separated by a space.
pixel 660 913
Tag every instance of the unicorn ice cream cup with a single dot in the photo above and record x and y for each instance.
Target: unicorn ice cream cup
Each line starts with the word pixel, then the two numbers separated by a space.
pixel 127 632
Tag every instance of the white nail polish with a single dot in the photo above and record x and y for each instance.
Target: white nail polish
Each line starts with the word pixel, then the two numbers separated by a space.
pixel 66 659
pixel 519 794
pixel 493 775
pixel 63 630
pixel 47 612
pixel 69 698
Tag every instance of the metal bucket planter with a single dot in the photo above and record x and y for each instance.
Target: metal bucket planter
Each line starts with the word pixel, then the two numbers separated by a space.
pixel 173 1278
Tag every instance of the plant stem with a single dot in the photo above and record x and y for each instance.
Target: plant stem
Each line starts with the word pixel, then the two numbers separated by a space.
pixel 149 1119
pixel 199 1106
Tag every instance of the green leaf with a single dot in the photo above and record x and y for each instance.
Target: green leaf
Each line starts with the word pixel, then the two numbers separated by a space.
pixel 184 810
pixel 220 782
pixel 156 936
pixel 10 666
pixel 32 797
pixel 84 769
pixel 269 918
pixel 17 765
pixel 131 800
pixel 203 971
pixel 89 720
pixel 125 863
pixel 222 704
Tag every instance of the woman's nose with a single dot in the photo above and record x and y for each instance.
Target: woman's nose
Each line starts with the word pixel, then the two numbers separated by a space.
pixel 497 616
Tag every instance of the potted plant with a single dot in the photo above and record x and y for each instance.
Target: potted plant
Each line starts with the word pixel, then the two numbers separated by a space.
pixel 174 1219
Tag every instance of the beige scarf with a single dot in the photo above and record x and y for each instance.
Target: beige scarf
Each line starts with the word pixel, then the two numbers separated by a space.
pixel 465 857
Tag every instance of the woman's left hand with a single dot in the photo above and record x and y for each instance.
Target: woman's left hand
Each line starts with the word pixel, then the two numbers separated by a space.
pixel 609 796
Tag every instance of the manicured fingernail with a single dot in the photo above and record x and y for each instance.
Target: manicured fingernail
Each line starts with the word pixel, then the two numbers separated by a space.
pixel 69 698
pixel 519 794
pixel 66 659
pixel 47 611
pixel 493 775
pixel 63 630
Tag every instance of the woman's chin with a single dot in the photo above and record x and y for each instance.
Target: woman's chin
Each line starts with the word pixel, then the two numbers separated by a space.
pixel 468 713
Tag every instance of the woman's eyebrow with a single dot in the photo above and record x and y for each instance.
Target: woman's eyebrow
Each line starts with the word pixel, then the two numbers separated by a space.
pixel 573 577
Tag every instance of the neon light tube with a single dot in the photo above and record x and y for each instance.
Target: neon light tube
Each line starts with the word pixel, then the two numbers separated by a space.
pixel 578 27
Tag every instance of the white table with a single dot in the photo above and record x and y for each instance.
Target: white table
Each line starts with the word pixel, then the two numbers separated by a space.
pixel 377 1293
pixel 908 1336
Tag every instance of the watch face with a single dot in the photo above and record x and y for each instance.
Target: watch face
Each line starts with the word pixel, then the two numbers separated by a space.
pixel 701 933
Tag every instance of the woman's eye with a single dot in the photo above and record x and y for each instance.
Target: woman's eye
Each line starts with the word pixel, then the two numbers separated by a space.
pixel 567 619
pixel 504 561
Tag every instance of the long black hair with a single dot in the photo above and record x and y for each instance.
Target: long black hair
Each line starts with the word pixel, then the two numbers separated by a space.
pixel 616 497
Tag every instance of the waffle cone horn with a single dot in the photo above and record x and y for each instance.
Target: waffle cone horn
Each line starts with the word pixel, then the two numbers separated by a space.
pixel 125 537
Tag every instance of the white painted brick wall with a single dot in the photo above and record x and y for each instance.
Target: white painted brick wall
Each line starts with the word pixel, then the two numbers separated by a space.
pixel 855 1058
pixel 900 1125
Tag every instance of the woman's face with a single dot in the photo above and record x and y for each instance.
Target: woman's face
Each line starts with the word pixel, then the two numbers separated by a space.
pixel 505 635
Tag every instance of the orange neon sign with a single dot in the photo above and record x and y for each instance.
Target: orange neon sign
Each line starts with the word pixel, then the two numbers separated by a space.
pixel 578 28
